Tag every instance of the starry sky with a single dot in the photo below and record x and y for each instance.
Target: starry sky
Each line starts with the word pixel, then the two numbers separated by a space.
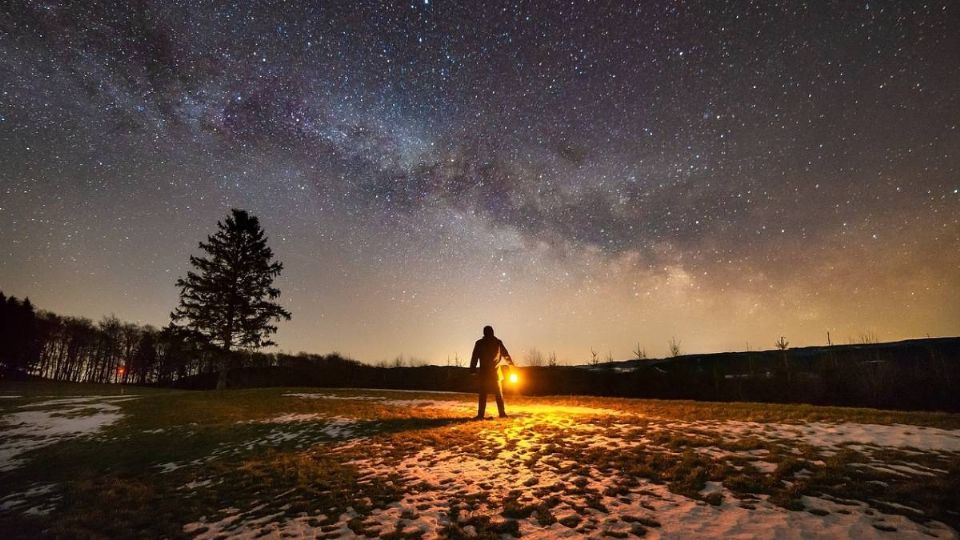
pixel 579 174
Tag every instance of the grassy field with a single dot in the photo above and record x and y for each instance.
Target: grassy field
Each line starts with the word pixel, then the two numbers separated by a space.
pixel 86 461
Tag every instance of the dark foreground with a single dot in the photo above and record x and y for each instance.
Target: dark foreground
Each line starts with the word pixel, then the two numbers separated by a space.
pixel 81 461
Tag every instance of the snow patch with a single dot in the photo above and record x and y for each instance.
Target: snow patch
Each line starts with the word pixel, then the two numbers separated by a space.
pixel 196 484
pixel 47 422
pixel 247 525
pixel 334 396
pixel 821 434
pixel 302 429
pixel 38 500
pixel 292 417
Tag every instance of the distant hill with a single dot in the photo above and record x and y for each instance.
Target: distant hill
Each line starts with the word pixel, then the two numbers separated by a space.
pixel 897 348
pixel 917 374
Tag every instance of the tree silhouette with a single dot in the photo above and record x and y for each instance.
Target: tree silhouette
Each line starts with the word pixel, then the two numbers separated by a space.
pixel 229 303
pixel 145 356
pixel 19 340
pixel 534 358
pixel 552 359
pixel 674 347
pixel 782 345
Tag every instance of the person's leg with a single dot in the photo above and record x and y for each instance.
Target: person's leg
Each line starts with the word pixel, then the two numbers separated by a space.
pixel 482 405
pixel 500 407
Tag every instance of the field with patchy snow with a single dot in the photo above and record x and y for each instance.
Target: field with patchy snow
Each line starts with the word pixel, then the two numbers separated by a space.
pixel 346 463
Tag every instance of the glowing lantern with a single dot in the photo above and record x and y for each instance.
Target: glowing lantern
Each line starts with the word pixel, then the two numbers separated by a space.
pixel 509 374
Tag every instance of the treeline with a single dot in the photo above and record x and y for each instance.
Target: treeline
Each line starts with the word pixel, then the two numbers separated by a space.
pixel 43 344
pixel 910 375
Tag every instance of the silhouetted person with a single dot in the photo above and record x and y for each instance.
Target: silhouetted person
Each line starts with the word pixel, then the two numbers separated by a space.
pixel 487 354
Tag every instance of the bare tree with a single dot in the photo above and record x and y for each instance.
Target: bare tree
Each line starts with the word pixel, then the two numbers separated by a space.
pixel 609 358
pixel 640 353
pixel 674 347
pixel 594 357
pixel 552 359
pixel 534 358
pixel 782 344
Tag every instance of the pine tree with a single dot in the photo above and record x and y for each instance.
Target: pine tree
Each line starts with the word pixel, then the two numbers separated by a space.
pixel 228 303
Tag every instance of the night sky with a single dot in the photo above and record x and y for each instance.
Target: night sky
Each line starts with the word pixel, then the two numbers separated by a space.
pixel 583 175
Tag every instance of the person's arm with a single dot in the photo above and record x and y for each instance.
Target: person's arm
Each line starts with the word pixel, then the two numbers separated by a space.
pixel 505 355
pixel 474 358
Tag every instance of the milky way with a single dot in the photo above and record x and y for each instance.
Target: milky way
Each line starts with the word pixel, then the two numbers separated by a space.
pixel 582 175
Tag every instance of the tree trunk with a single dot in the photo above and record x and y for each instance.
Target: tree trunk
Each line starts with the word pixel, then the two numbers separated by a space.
pixel 225 353
pixel 224 370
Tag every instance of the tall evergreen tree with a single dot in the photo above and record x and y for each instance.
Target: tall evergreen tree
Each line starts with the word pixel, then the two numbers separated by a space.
pixel 228 302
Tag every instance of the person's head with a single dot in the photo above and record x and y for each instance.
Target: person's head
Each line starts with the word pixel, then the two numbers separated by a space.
pixel 487 331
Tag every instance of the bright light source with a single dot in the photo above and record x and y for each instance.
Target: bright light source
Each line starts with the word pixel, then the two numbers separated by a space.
pixel 514 378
